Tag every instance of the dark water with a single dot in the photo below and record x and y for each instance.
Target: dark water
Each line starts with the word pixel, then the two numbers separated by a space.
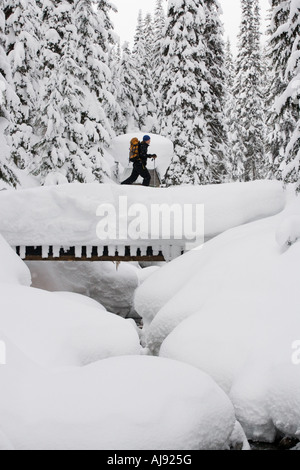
pixel 284 444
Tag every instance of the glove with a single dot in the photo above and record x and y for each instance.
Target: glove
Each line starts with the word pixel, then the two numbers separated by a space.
pixel 154 156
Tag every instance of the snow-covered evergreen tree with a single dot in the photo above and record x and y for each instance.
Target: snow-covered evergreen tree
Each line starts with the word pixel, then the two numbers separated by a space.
pixel 59 121
pixel 148 77
pixel 117 110
pixel 185 93
pixel 149 38
pixel 280 126
pixel 290 98
pixel 8 100
pixel 234 170
pixel 107 40
pixel 22 29
pixel 131 84
pixel 214 110
pixel 248 89
pixel 158 58
pixel 143 56
pixel 283 120
pixel 159 27
pixel 74 126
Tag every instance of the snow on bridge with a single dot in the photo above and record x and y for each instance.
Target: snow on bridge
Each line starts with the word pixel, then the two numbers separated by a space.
pixel 105 222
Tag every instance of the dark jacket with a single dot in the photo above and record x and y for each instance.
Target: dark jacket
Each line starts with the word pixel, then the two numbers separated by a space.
pixel 143 151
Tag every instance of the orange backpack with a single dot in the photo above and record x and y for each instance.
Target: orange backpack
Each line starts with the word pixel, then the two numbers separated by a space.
pixel 134 151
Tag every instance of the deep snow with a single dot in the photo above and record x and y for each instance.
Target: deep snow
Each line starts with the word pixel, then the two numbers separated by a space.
pixel 233 312
pixel 224 322
pixel 65 215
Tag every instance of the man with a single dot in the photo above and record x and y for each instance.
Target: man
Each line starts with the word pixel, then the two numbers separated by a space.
pixel 140 164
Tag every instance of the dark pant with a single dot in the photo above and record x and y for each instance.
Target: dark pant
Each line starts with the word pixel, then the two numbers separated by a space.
pixel 139 170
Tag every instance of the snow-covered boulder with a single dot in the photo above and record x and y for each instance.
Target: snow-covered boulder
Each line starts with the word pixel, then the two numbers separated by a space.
pixel 288 230
pixel 54 331
pixel 82 299
pixel 118 403
pixel 146 272
pixel 159 288
pixel 5 444
pixel 237 319
pixel 12 268
pixel 111 285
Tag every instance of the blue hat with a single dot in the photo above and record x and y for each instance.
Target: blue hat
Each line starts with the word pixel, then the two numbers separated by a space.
pixel 146 138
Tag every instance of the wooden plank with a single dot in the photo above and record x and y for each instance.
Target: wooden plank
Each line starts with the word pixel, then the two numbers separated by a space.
pixel 157 258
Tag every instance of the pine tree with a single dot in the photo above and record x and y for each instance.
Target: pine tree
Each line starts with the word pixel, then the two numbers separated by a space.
pixel 131 86
pixel 93 60
pixel 159 27
pixel 8 100
pixel 158 58
pixel 74 125
pixel 107 40
pixel 117 109
pixel 22 29
pixel 234 170
pixel 248 88
pixel 59 122
pixel 280 126
pixel 214 111
pixel 185 93
pixel 138 56
pixel 290 98
pixel 148 77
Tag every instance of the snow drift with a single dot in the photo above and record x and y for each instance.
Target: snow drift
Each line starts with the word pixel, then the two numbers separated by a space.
pixel 95 407
pixel 65 215
pixel 12 269
pixel 59 332
pixel 233 312
pixel 111 287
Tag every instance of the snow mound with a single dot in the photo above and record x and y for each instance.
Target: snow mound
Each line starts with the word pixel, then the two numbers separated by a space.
pixel 155 292
pixel 85 408
pixel 236 319
pixel 5 444
pixel 145 273
pixel 55 178
pixel 12 268
pixel 66 215
pixel 58 332
pixel 160 146
pixel 112 287
pixel 82 299
pixel 288 230
pixel 266 392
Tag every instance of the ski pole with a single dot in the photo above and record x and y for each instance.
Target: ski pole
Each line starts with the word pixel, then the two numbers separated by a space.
pixel 154 178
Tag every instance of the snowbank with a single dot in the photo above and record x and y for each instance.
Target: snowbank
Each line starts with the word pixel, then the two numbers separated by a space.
pixel 58 332
pixel 12 269
pixel 65 215
pixel 97 406
pixel 112 287
pixel 160 146
pixel 82 299
pixel 236 317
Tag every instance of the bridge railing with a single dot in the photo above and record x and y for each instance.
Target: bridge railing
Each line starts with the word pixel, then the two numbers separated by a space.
pixel 146 251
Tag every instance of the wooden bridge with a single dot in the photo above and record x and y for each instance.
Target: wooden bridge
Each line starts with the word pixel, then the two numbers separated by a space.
pixel 140 253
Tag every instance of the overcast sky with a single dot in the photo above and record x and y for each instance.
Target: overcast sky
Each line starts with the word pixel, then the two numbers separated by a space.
pixel 126 19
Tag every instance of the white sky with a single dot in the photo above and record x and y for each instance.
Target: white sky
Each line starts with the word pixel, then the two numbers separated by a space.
pixel 126 19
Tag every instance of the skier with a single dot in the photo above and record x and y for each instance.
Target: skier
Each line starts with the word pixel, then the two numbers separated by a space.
pixel 140 164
